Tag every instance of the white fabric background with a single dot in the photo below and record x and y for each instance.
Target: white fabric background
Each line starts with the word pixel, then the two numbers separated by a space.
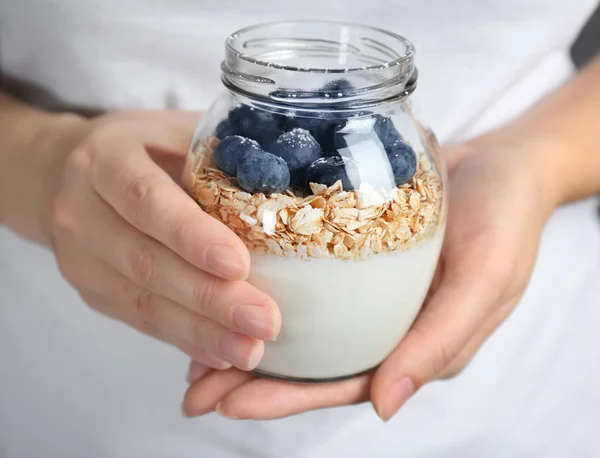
pixel 75 384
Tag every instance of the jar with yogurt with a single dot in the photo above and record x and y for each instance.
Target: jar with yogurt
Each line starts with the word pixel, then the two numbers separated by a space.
pixel 312 156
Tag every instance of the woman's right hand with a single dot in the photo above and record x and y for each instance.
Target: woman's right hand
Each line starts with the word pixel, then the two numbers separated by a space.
pixel 139 249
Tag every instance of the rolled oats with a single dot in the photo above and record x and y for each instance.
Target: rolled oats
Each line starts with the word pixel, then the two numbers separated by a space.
pixel 329 223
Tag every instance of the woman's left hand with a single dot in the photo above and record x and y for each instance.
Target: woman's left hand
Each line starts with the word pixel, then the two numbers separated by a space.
pixel 499 202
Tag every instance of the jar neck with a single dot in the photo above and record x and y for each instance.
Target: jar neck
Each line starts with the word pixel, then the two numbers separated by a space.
pixel 301 64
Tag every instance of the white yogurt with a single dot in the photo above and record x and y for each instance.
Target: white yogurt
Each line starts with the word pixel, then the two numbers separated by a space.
pixel 341 318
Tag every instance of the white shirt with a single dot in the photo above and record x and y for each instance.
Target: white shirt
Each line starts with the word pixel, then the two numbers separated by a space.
pixel 73 383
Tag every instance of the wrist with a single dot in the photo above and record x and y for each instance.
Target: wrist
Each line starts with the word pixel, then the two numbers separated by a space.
pixel 50 149
pixel 544 157
pixel 33 165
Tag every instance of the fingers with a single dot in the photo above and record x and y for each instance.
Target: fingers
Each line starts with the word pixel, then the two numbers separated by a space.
pixel 203 396
pixel 234 304
pixel 196 371
pixel 112 308
pixel 459 307
pixel 144 195
pixel 199 337
pixel 263 399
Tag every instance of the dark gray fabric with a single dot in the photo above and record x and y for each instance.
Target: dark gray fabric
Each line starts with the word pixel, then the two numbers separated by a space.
pixel 587 44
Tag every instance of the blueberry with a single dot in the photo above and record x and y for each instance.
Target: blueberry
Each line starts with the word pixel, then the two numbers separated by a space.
pixel 384 127
pixel 338 87
pixel 239 116
pixel 393 137
pixel 231 150
pixel 224 129
pixel 403 161
pixel 264 172
pixel 321 126
pixel 314 124
pixel 298 149
pixel 327 171
pixel 259 125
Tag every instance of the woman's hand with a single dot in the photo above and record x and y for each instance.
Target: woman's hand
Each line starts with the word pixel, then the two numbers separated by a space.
pixel 139 249
pixel 503 187
pixel 499 202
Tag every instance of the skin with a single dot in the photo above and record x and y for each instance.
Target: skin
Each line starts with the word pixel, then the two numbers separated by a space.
pixel 102 193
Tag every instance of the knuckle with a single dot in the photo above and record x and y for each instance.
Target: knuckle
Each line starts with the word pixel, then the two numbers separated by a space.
pixel 79 161
pixel 206 294
pixel 443 355
pixel 145 309
pixel 144 306
pixel 138 196
pixel 437 354
pixel 142 265
pixel 64 218
pixel 455 367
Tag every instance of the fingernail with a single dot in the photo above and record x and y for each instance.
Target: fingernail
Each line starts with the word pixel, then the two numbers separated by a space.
pixel 196 372
pixel 234 349
pixel 225 261
pixel 255 321
pixel 219 411
pixel 399 393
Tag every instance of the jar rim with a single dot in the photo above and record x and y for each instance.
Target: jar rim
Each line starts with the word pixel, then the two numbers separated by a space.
pixel 314 63
pixel 232 43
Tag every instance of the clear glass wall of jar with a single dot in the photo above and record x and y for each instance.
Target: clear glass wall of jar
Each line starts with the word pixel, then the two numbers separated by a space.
pixel 312 156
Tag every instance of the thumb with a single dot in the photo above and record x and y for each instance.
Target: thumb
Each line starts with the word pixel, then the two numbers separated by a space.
pixel 454 154
pixel 167 131
pixel 441 331
pixel 167 136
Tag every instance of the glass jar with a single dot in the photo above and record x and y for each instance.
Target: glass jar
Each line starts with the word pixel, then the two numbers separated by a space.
pixel 312 156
